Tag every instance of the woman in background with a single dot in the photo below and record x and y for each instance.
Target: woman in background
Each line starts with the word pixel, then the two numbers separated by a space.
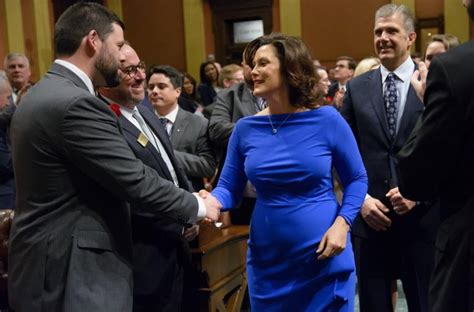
pixel 209 85
pixel 299 255
pixel 188 99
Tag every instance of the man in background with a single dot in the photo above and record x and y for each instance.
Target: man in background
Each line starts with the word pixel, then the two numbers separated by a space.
pixel 17 68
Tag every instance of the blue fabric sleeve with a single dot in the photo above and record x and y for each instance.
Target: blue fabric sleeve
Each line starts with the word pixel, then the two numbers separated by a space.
pixel 233 179
pixel 351 170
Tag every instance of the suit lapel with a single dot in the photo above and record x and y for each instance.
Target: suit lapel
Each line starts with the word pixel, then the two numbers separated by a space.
pixel 412 105
pixel 158 129
pixel 179 127
pixel 375 86
pixel 130 128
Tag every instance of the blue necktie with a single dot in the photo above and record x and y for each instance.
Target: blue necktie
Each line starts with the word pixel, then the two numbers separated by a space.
pixel 390 99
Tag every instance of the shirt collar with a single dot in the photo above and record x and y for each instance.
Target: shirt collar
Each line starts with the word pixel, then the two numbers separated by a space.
pixel 171 116
pixel 76 70
pixel 403 72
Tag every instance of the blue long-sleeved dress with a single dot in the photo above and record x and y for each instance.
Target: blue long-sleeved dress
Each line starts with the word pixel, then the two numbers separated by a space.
pixel 291 171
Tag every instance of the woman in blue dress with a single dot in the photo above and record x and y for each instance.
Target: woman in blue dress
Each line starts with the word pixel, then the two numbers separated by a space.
pixel 299 253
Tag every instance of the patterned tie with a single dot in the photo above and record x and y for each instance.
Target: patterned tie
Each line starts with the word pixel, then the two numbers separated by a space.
pixel 390 99
pixel 164 121
pixel 145 128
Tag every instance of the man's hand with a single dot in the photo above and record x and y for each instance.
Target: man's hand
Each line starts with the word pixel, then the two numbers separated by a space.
pixel 338 98
pixel 213 206
pixel 400 204
pixel 374 214
pixel 418 80
pixel 334 240
pixel 191 232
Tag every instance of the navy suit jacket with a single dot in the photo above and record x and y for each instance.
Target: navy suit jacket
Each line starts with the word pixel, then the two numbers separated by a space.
pixel 364 110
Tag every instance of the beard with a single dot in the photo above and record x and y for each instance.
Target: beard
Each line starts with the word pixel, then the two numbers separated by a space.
pixel 108 67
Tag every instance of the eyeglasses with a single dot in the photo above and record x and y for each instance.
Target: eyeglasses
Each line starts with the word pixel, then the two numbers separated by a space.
pixel 132 70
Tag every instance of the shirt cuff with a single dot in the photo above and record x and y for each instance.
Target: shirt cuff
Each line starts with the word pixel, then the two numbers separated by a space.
pixel 202 207
pixel 367 196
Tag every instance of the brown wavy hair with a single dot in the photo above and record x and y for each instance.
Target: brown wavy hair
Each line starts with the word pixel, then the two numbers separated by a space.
pixel 296 67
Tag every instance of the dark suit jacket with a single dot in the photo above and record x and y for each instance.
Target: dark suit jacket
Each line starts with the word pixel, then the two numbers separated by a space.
pixel 333 88
pixel 206 93
pixel 364 110
pixel 157 243
pixel 70 244
pixel 438 161
pixel 7 181
pixel 190 140
pixel 231 104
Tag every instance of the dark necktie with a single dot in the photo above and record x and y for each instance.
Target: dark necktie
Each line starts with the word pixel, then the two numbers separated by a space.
pixel 390 99
pixel 164 121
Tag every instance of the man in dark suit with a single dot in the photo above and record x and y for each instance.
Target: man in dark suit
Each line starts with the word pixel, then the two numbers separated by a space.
pixel 232 104
pixel 159 248
pixel 71 244
pixel 437 161
pixel 188 132
pixel 381 107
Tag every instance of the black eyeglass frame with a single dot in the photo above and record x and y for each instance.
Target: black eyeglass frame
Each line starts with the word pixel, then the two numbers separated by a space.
pixel 132 70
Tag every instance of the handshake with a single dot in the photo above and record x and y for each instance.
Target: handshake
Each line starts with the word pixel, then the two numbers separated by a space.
pixel 213 206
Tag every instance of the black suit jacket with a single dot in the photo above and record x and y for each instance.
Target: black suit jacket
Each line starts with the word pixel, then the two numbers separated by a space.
pixel 364 110
pixel 71 244
pixel 438 161
pixel 157 242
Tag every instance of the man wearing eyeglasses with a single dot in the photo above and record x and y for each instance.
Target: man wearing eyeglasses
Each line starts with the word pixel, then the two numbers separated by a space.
pixel 71 240
pixel 160 249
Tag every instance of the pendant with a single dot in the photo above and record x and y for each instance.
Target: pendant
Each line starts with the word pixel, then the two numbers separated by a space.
pixel 274 130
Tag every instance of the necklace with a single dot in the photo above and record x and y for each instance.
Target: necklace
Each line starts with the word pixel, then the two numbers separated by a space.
pixel 275 130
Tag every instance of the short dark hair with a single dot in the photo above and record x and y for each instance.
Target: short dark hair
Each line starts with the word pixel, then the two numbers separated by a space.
pixel 296 67
pixel 350 61
pixel 77 21
pixel 202 72
pixel 175 76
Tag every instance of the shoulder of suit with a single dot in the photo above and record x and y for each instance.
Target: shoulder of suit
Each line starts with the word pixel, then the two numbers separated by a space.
pixel 363 77
pixel 193 117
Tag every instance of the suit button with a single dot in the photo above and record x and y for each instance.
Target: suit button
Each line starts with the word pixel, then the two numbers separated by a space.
pixel 386 182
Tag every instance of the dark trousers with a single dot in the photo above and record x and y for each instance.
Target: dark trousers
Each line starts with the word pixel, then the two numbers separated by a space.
pixel 380 261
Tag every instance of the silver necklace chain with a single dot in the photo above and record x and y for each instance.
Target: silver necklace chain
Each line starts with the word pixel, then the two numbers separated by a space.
pixel 275 130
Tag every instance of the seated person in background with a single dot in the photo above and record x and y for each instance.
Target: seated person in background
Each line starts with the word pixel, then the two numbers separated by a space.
pixel 209 85
pixel 188 99
pixel 188 132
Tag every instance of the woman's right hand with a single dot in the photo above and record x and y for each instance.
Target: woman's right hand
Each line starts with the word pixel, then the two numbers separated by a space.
pixel 334 240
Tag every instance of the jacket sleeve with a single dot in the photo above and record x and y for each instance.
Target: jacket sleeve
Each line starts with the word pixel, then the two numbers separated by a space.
pixel 92 141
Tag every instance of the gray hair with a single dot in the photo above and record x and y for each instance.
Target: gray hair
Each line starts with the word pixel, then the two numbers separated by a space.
pixel 404 11
pixel 14 55
pixel 4 83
